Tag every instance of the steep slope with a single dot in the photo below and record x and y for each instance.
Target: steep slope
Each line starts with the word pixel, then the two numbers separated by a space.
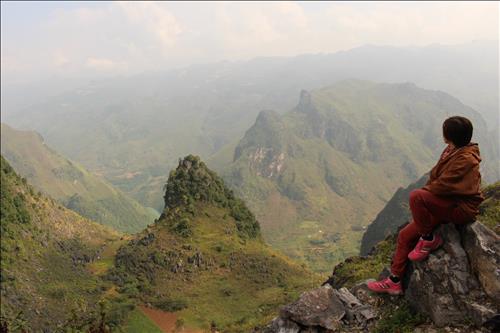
pixel 455 290
pixel 317 174
pixel 125 128
pixel 45 285
pixel 69 183
pixel 396 213
pixel 205 259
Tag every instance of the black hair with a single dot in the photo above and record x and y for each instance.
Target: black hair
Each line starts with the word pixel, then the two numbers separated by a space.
pixel 458 130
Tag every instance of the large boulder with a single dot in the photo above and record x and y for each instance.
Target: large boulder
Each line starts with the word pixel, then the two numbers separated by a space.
pixel 323 309
pixel 459 282
pixel 482 246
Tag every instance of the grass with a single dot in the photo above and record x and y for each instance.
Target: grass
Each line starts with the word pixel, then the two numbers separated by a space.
pixel 356 269
pixel 399 320
pixel 107 257
pixel 139 322
pixel 239 284
pixel 490 208
pixel 44 252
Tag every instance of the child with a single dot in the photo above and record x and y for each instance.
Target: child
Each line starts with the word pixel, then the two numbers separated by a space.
pixel 452 194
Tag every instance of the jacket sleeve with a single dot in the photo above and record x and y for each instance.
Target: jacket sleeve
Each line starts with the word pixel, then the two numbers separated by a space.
pixel 450 182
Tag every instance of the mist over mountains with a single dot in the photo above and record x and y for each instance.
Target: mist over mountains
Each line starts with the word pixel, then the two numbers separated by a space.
pixel 132 129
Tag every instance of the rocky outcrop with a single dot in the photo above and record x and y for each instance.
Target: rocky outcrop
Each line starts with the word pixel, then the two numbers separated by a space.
pixel 324 309
pixel 482 246
pixel 457 286
pixel 459 282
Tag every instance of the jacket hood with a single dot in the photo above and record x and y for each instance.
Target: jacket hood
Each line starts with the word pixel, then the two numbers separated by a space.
pixel 472 149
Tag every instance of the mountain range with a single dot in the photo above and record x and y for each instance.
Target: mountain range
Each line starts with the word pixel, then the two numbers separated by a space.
pixel 133 129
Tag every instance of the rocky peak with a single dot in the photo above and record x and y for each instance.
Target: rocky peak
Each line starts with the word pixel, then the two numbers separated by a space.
pixel 305 102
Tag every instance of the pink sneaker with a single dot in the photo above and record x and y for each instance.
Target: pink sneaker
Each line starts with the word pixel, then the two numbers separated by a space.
pixel 424 248
pixel 386 286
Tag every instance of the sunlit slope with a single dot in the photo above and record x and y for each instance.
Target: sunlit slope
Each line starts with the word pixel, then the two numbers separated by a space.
pixel 317 175
pixel 71 184
pixel 205 258
pixel 44 251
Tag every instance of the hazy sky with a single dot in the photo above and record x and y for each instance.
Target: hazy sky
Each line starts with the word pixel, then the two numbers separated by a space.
pixel 41 39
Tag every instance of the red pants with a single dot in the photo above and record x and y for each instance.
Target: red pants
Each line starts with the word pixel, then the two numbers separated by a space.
pixel 428 212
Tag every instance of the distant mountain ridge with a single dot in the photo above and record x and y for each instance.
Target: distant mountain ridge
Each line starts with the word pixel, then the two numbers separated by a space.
pixel 69 183
pixel 133 129
pixel 316 175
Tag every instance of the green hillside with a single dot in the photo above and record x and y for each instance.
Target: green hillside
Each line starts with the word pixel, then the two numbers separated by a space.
pixel 205 258
pixel 45 284
pixel 70 184
pixel 317 175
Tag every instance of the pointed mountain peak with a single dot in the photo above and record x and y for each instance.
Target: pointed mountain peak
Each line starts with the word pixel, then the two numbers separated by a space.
pixel 193 183
pixel 306 104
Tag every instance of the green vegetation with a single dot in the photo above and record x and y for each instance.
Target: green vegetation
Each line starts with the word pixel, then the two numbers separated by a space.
pixel 336 159
pixel 211 269
pixel 490 208
pixel 193 182
pixel 356 269
pixel 45 249
pixel 74 187
pixel 138 322
pixel 399 320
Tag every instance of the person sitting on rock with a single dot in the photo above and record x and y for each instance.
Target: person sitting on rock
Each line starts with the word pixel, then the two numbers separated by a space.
pixel 452 194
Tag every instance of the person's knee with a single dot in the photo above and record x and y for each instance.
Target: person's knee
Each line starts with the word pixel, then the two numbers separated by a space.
pixel 417 196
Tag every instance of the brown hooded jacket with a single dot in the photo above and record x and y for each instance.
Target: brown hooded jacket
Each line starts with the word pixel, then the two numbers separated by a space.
pixel 457 175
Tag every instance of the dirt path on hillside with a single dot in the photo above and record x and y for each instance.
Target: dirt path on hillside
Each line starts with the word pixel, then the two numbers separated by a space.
pixel 165 320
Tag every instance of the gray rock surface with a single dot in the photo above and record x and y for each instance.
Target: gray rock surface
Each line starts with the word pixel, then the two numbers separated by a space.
pixel 483 250
pixel 323 309
pixel 445 286
pixel 457 287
